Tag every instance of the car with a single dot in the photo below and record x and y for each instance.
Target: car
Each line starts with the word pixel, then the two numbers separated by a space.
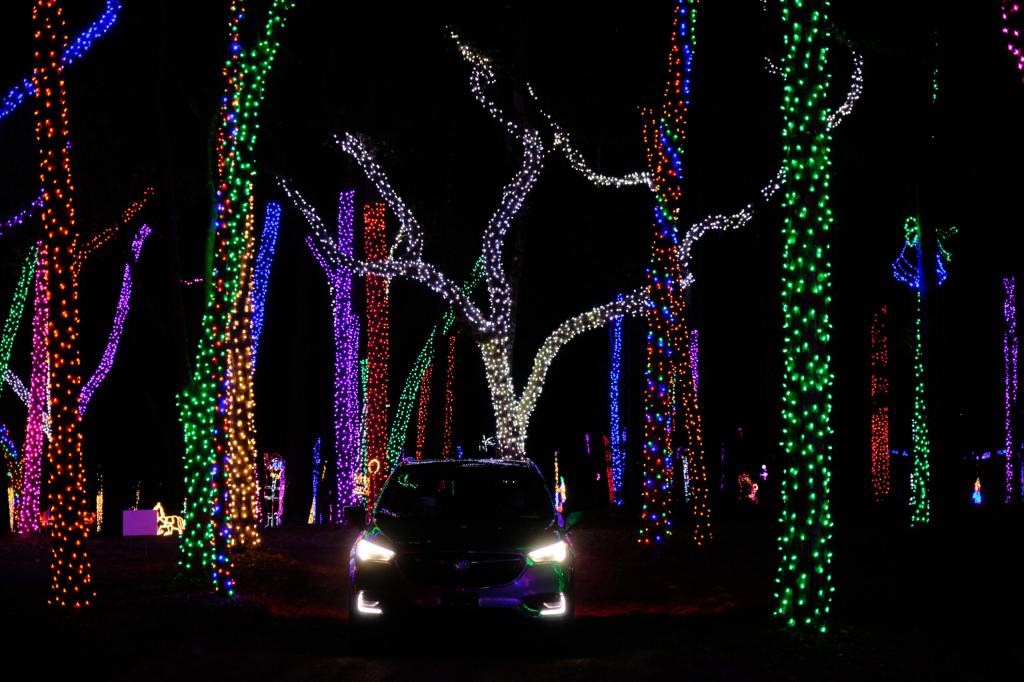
pixel 463 537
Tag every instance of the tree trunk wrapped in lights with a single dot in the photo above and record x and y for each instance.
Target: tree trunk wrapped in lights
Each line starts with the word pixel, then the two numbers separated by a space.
pixel 880 469
pixel 1010 349
pixel 348 459
pixel 216 407
pixel 913 271
pixel 71 568
pixel 804 581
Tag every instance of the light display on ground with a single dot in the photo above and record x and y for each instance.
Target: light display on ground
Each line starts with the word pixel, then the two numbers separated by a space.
pixel 274 470
pixel 166 524
pixel 560 488
pixel 314 516
pixel 976 497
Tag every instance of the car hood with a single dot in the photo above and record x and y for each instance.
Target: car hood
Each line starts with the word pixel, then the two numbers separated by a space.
pixel 519 535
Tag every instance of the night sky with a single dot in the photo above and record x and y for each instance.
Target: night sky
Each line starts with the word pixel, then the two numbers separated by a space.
pixel 142 106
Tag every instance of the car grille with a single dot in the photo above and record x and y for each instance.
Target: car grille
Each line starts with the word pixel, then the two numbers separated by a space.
pixel 461 570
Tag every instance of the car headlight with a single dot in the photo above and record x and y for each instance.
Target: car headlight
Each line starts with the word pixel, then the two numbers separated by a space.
pixel 554 553
pixel 368 551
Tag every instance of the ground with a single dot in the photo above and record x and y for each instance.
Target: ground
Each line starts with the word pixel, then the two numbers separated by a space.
pixel 909 606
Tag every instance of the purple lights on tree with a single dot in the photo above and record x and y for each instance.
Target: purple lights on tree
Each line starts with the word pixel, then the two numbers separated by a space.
pixel 107 361
pixel 348 458
pixel 1010 386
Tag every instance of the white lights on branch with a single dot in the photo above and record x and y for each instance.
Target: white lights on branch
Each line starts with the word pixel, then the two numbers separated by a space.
pixel 491 324
pixel 852 95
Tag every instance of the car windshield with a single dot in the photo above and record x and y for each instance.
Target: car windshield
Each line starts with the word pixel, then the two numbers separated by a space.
pixel 460 492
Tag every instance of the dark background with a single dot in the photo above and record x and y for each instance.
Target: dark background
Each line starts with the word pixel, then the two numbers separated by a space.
pixel 142 106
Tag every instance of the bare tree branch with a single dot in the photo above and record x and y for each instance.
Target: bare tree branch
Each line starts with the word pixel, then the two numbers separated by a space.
pixel 513 197
pixel 410 233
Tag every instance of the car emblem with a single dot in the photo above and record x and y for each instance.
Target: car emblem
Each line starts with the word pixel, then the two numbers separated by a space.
pixel 461 565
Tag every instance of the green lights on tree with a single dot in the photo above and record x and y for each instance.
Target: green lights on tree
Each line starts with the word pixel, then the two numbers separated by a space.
pixel 804 580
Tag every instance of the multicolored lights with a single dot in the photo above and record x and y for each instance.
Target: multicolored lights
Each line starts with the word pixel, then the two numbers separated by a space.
pixel 1010 348
pixel 36 422
pixel 217 406
pixel 880 473
pixel 668 373
pixel 804 587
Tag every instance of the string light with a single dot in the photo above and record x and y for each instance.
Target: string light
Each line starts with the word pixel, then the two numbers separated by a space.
pixel 695 360
pixel 609 470
pixel 347 417
pixel 276 481
pixel 313 515
pixel 107 361
pixel 71 568
pixel 560 489
pixel 617 447
pixel 30 477
pixel 492 327
pixel 27 88
pixel 377 353
pixel 423 411
pixel 804 587
pixel 449 399
pixel 880 405
pixel 1010 29
pixel 168 525
pixel 909 269
pixel 20 217
pixel 1010 347
pixel 217 414
pixel 261 275
pixel 99 503
pixel 410 389
pixel 14 313
pixel 668 372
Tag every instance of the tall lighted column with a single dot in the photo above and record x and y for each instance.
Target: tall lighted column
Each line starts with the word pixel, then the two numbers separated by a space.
pixel 803 592
pixel 71 569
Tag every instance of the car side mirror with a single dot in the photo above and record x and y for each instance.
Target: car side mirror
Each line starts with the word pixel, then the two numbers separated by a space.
pixel 355 515
pixel 573 519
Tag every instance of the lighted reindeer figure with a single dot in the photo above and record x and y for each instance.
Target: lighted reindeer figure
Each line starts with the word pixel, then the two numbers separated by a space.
pixel 166 524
